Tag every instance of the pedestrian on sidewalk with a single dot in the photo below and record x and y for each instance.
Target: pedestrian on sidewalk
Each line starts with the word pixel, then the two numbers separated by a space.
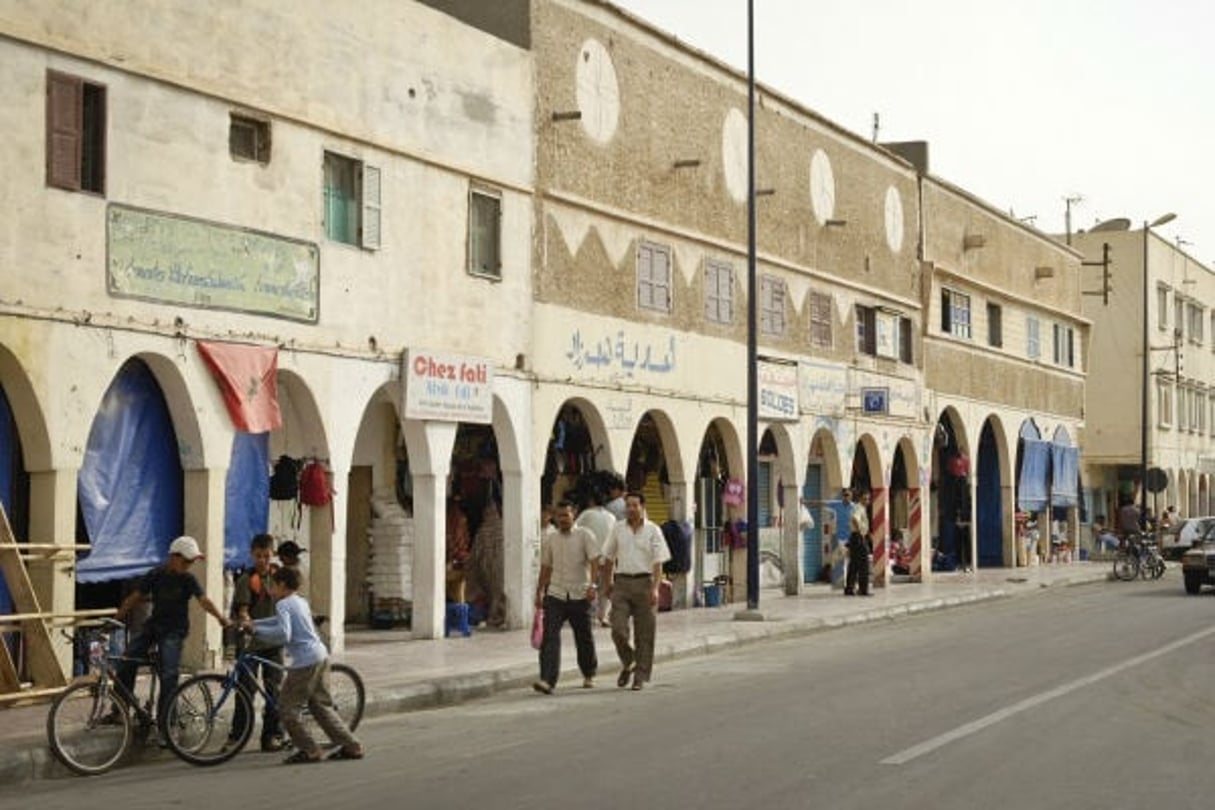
pixel 599 521
pixel 252 600
pixel 633 557
pixel 307 681
pixel 170 587
pixel 569 567
pixel 859 548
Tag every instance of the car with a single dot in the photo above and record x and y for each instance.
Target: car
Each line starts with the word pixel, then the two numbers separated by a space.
pixel 1198 564
pixel 1174 542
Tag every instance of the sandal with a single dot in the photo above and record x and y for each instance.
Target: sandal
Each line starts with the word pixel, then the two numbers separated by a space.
pixel 346 753
pixel 302 758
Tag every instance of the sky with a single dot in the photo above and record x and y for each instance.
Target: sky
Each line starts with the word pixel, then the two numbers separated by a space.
pixel 1023 103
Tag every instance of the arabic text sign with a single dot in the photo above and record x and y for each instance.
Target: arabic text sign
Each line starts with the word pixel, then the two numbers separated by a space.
pixel 619 355
pixel 777 391
pixel 177 260
pixel 448 387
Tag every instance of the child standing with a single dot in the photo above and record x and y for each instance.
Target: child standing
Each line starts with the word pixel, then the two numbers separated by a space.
pixel 307 681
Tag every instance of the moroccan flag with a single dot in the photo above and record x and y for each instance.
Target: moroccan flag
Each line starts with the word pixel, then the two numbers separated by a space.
pixel 247 377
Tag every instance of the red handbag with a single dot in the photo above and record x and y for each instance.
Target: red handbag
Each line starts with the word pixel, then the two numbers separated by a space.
pixel 538 629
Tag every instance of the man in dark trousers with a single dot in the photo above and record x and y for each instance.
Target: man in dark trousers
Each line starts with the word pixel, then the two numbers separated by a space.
pixel 859 548
pixel 569 569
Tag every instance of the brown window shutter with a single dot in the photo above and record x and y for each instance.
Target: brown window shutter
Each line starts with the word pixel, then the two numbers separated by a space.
pixel 64 126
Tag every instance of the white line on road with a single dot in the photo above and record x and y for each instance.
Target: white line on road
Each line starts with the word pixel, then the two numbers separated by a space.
pixel 975 726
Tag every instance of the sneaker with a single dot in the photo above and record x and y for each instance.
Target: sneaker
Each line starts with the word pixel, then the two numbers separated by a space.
pixel 638 682
pixel 272 745
pixel 623 679
pixel 588 683
pixel 543 687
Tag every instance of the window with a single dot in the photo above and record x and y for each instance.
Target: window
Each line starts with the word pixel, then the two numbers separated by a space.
pixel 1033 345
pixel 1064 353
pixel 905 340
pixel 484 233
pixel 1164 402
pixel 1182 404
pixel 654 277
pixel 75 133
pixel 995 326
pixel 955 313
pixel 1178 314
pixel 772 305
pixel 1162 307
pixel 866 330
pixel 719 291
pixel 1195 323
pixel 820 320
pixel 352 201
pixel 249 138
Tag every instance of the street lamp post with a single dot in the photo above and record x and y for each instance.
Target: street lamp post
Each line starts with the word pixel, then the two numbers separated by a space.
pixel 752 341
pixel 1144 425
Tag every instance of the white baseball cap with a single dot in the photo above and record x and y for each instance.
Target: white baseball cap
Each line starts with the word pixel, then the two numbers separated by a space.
pixel 187 547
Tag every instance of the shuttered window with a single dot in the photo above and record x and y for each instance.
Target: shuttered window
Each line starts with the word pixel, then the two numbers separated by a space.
pixel 654 277
pixel 484 233
pixel 719 292
pixel 820 320
pixel 905 353
pixel 772 305
pixel 352 201
pixel 866 330
pixel 75 133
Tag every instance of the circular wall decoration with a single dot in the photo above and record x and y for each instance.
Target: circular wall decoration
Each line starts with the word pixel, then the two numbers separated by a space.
pixel 822 187
pixel 734 154
pixel 894 219
pixel 597 91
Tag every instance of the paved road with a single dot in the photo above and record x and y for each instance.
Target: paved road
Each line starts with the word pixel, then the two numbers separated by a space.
pixel 1085 697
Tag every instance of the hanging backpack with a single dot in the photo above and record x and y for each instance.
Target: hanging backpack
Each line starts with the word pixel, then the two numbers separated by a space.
pixel 314 485
pixel 285 480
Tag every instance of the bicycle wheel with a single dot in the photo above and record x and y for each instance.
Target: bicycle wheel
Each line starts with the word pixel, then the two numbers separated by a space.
pixel 201 727
pixel 1126 566
pixel 89 728
pixel 1158 567
pixel 349 698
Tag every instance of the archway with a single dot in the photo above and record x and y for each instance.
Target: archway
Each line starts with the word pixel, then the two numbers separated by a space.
pixel 716 466
pixel 476 543
pixel 651 468
pixel 950 474
pixel 905 513
pixel 821 487
pixel 989 512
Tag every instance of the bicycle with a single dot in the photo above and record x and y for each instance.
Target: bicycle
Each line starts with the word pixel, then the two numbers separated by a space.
pixel 1138 556
pixel 1151 563
pixel 206 709
pixel 93 723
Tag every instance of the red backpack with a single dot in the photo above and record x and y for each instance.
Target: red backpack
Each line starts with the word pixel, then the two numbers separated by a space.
pixel 314 485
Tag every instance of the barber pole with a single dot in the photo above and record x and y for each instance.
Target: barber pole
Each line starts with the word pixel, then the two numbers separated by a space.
pixel 879 501
pixel 913 546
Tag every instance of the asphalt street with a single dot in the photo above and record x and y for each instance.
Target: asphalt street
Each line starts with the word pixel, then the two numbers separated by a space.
pixel 1083 697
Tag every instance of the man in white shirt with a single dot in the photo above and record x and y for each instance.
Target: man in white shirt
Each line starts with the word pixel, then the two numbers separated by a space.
pixel 569 566
pixel 633 558
pixel 600 521
pixel 615 492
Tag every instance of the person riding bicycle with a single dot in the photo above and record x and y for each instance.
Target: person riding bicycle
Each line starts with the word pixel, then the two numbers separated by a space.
pixel 252 600
pixel 170 587
pixel 307 681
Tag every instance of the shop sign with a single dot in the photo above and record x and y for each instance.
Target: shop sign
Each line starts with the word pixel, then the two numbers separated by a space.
pixel 448 387
pixel 777 390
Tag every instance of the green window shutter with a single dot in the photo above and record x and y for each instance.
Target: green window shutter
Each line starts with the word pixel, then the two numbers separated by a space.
pixel 371 208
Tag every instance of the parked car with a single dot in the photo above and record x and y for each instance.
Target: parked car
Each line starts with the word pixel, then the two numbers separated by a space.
pixel 1174 542
pixel 1198 564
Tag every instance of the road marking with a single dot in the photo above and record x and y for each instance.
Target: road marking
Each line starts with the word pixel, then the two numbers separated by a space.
pixel 975 726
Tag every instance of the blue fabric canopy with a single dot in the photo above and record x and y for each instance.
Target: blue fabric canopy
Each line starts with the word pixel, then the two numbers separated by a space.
pixel 1035 467
pixel 1065 475
pixel 246 496
pixel 130 482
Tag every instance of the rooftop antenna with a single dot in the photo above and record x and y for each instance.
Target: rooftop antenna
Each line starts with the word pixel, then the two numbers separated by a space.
pixel 877 125
pixel 1068 202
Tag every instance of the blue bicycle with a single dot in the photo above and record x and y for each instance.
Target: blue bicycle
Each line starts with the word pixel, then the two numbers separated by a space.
pixel 213 718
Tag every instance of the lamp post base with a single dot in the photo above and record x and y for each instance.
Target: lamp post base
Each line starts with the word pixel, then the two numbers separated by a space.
pixel 749 615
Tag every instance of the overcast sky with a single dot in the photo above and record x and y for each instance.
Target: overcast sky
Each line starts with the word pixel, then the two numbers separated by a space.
pixel 1023 103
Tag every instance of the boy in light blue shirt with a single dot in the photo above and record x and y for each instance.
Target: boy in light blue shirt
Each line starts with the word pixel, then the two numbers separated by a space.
pixel 307 681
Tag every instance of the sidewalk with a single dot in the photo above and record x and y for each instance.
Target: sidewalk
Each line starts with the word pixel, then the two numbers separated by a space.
pixel 402 674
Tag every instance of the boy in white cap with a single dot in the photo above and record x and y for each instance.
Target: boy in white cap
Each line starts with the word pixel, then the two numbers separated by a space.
pixel 170 587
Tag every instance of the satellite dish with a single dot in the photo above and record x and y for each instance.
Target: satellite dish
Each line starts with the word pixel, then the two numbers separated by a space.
pixel 1115 224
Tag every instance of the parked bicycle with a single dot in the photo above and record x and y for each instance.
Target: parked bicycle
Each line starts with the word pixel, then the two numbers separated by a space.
pixel 1138 556
pixel 94 723
pixel 213 715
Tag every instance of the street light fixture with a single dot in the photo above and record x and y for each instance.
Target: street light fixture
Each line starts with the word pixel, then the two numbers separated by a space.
pixel 1144 426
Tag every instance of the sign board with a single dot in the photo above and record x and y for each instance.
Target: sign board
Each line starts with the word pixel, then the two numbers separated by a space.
pixel 875 400
pixel 173 259
pixel 778 391
pixel 448 387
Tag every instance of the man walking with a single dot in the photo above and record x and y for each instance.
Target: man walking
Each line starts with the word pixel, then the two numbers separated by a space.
pixel 858 548
pixel 569 566
pixel 633 556
pixel 600 521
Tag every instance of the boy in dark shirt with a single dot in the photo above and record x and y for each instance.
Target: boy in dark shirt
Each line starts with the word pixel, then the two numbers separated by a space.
pixel 252 600
pixel 170 587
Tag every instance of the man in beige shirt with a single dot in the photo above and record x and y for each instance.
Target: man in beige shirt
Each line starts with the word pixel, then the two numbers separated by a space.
pixel 633 556
pixel 569 567
pixel 859 548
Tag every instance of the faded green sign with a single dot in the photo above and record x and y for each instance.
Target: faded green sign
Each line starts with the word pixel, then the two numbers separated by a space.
pixel 178 260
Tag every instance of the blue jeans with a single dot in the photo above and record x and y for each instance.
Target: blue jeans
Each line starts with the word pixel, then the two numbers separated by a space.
pixel 168 667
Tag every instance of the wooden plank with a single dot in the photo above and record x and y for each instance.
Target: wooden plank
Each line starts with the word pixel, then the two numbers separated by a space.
pixel 43 664
pixel 8 671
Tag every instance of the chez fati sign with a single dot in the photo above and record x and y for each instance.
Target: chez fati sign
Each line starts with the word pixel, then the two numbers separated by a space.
pixel 448 387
